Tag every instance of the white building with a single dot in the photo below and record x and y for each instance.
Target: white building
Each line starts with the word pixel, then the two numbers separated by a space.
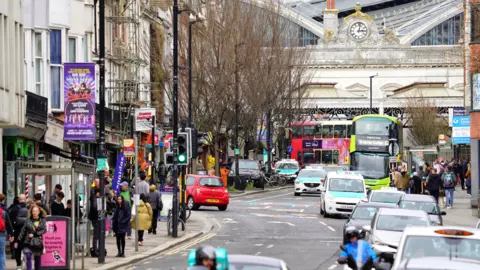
pixel 12 91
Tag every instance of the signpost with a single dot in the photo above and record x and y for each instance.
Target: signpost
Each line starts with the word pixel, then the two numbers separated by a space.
pixel 461 130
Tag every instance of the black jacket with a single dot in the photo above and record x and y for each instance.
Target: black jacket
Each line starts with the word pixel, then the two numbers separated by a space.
pixel 58 209
pixel 21 209
pixel 29 229
pixel 121 218
pixel 417 184
pixel 434 182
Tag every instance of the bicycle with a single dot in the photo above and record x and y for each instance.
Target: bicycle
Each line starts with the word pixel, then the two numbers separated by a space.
pixel 181 229
pixel 275 180
pixel 187 214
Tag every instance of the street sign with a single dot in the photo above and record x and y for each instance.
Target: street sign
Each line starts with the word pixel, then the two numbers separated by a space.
pixel 459 111
pixel 289 149
pixel 143 119
pixel 461 130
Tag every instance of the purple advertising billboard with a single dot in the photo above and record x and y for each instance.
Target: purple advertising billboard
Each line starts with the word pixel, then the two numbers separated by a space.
pixel 79 96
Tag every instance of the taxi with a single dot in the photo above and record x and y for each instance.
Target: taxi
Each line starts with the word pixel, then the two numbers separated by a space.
pixel 308 181
pixel 341 192
pixel 287 168
pixel 445 247
pixel 387 195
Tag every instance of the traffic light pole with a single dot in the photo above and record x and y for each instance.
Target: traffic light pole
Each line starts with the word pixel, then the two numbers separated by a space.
pixel 152 177
pixel 175 120
pixel 184 189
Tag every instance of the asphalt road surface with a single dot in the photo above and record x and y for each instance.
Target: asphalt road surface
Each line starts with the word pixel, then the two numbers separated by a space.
pixel 274 224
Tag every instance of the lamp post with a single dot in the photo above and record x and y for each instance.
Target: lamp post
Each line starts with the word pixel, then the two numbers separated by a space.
pixel 371 97
pixel 176 11
pixel 193 20
pixel 237 97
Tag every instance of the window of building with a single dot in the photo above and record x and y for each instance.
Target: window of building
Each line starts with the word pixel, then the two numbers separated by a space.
pixel 72 50
pixel 475 16
pixel 448 32
pixel 85 48
pixel 38 63
pixel 55 68
pixel 306 37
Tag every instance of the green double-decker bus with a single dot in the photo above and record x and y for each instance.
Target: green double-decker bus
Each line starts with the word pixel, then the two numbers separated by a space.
pixel 374 139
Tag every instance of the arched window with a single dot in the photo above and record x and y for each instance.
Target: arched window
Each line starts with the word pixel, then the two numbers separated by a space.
pixel 306 37
pixel 448 32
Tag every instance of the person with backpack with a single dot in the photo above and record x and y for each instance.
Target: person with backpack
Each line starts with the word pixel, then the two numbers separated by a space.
pixel 155 199
pixel 449 180
pixel 19 215
pixel 6 230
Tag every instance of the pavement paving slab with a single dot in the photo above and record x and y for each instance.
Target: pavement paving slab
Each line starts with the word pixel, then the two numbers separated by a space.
pixel 197 225
pixel 462 214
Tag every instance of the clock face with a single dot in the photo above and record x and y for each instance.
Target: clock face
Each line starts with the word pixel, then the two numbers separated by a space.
pixel 358 31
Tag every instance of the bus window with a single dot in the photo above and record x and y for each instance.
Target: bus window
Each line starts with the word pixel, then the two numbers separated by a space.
pixel 340 131
pixel 297 132
pixel 372 126
pixel 318 156
pixel 327 157
pixel 327 131
pixel 335 157
pixel 318 131
pixel 349 131
pixel 308 130
pixel 308 157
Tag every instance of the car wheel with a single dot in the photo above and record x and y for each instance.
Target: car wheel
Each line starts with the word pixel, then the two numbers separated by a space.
pixel 297 194
pixel 191 204
pixel 222 207
pixel 321 210
pixel 325 214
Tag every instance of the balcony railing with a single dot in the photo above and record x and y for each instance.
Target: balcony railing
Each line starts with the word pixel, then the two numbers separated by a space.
pixel 111 116
pixel 37 107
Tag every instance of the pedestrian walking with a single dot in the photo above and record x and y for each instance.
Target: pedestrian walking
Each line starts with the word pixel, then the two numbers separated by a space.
pixel 121 223
pixel 31 235
pixel 93 217
pixel 10 209
pixel 6 231
pixel 434 184
pixel 162 175
pixel 38 201
pixel 155 200
pixel 416 186
pixel 142 187
pixel 19 215
pixel 468 179
pixel 57 207
pixel 145 214
pixel 449 180
pixel 127 195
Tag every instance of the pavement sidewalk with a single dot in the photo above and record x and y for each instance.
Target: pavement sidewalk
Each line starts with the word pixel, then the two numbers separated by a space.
pixel 246 192
pixel 462 214
pixel 197 225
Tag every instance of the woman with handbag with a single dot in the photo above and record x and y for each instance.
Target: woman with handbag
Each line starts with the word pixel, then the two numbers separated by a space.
pixel 32 236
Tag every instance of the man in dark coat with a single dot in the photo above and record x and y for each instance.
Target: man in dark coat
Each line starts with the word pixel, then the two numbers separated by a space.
pixel 417 184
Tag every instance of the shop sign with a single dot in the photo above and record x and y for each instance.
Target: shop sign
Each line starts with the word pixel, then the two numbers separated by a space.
pixel 54 135
pixel 143 119
pixel 129 147
pixel 55 241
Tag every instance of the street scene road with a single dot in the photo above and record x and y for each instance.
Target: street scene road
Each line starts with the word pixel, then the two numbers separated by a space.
pixel 274 224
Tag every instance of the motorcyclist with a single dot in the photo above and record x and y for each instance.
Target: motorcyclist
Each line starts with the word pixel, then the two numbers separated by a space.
pixel 357 254
pixel 205 258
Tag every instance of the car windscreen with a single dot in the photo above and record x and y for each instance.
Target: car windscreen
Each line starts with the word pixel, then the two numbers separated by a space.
pixel 386 197
pixel 238 266
pixel 334 168
pixel 418 246
pixel 398 223
pixel 346 185
pixel 247 165
pixel 211 182
pixel 429 207
pixel 287 166
pixel 364 212
pixel 312 174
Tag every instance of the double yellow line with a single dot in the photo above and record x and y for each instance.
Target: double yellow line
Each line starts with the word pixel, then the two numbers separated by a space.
pixel 190 244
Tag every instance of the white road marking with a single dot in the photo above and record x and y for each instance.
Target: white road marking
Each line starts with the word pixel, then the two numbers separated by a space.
pixel 223 235
pixel 289 210
pixel 258 253
pixel 218 223
pixel 331 229
pixel 280 222
pixel 323 223
pixel 270 246
pixel 271 197
pixel 228 220
pixel 298 198
pixel 258 245
pixel 147 262
pixel 266 207
pixel 333 266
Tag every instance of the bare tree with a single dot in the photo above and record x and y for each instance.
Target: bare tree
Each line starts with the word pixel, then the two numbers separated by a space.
pixel 423 120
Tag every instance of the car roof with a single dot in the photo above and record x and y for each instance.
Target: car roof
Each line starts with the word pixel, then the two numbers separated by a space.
pixel 387 191
pixel 313 170
pixel 430 231
pixel 439 263
pixel 203 176
pixel 378 205
pixel 345 175
pixel 251 259
pixel 418 198
pixel 401 212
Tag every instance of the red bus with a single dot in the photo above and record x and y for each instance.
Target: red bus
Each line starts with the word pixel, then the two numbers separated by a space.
pixel 321 142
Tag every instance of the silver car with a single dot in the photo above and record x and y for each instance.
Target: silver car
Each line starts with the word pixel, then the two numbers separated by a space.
pixel 250 262
pixel 387 227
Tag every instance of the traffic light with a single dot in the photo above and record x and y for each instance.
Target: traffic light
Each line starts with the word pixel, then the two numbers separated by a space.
pixel 192 146
pixel 168 158
pixel 182 142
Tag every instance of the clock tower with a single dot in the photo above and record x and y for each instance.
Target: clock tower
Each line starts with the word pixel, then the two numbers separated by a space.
pixel 359 25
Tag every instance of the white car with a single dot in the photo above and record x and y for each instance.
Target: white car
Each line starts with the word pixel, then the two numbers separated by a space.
pixel 434 248
pixel 385 195
pixel 341 192
pixel 309 181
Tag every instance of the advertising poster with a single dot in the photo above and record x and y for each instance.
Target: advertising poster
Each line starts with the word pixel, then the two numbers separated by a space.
pixel 343 147
pixel 167 204
pixel 79 98
pixel 143 119
pixel 117 178
pixel 129 147
pixel 55 241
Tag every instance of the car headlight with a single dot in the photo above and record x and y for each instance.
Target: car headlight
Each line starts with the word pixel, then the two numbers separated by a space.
pixel 329 198
pixel 293 176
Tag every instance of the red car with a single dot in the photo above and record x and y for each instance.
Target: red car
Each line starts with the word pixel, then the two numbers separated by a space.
pixel 205 190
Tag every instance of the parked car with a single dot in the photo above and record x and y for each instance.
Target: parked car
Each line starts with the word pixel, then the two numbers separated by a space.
pixel 249 171
pixel 426 203
pixel 204 190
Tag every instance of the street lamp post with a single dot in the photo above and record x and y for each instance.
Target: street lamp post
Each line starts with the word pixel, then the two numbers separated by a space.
pixel 371 96
pixel 193 20
pixel 176 11
pixel 237 94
